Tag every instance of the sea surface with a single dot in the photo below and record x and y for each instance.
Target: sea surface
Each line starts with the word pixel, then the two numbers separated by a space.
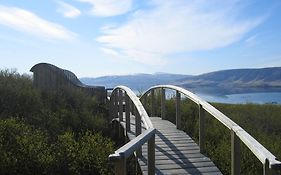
pixel 258 98
pixel 241 98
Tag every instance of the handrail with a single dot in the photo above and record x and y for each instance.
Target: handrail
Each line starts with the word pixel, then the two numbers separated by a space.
pixel 129 148
pixel 142 112
pixel 266 158
pixel 132 105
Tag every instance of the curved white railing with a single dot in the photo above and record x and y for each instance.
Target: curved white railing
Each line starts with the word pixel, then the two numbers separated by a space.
pixel 128 94
pixel 268 160
pixel 121 97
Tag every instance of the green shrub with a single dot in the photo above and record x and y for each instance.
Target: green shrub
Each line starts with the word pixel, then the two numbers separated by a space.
pixel 24 150
pixel 61 131
pixel 18 97
pixel 93 154
pixel 263 122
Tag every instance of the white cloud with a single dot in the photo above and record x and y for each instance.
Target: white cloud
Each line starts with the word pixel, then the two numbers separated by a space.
pixel 251 41
pixel 105 8
pixel 178 26
pixel 110 52
pixel 68 10
pixel 147 58
pixel 25 21
pixel 144 57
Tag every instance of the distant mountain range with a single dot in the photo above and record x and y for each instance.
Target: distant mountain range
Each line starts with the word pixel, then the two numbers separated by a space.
pixel 235 81
pixel 137 82
pixel 219 82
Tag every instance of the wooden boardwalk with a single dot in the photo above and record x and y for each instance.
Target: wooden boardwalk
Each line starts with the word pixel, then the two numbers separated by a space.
pixel 175 151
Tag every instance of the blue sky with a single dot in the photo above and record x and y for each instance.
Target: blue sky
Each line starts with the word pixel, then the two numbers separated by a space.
pixel 106 37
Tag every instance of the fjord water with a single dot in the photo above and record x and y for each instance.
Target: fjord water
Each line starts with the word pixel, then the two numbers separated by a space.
pixel 257 97
pixel 241 98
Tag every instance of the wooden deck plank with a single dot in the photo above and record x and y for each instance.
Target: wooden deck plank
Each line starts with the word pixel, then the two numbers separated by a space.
pixel 192 171
pixel 166 149
pixel 163 157
pixel 178 161
pixel 182 166
pixel 175 151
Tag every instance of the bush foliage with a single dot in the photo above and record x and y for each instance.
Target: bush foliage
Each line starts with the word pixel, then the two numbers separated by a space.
pixel 61 131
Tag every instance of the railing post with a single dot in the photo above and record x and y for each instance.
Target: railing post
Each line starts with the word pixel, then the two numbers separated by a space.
pixel 120 113
pixel 132 108
pixel 178 114
pixel 111 106
pixel 120 167
pixel 120 105
pixel 138 130
pixel 145 101
pixel 151 155
pixel 201 129
pixel 235 154
pixel 115 104
pixel 163 109
pixel 152 103
pixel 138 123
pixel 267 170
pixel 127 112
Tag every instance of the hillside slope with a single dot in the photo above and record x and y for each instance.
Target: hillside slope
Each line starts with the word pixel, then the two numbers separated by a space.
pixel 219 82
pixel 136 81
pixel 235 81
